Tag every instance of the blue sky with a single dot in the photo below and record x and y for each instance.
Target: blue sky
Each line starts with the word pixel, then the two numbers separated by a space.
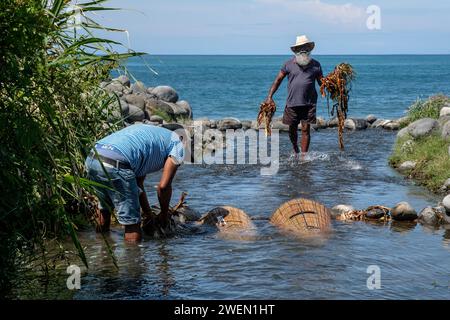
pixel 270 26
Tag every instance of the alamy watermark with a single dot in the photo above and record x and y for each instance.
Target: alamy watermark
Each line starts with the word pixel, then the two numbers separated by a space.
pixel 374 280
pixel 73 281
pixel 373 22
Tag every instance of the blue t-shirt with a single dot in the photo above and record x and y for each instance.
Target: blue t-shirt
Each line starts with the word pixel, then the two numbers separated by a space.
pixel 145 147
pixel 302 82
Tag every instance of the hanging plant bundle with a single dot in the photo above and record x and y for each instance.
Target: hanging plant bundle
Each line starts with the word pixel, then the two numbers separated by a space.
pixel 265 115
pixel 337 86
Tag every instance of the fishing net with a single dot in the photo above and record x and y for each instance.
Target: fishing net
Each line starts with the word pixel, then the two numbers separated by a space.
pixel 265 115
pixel 302 216
pixel 337 86
pixel 227 218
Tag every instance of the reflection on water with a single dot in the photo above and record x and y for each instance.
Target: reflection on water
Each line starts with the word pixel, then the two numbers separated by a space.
pixel 413 260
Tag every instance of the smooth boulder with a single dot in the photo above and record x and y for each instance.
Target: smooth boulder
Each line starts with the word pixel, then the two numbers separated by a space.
pixel 371 118
pixel 446 131
pixel 229 123
pixel 136 99
pixel 135 113
pixel 355 124
pixel 422 127
pixel 446 204
pixel 165 93
pixel 403 211
pixel 138 87
pixel 407 166
pixel 430 216
pixel 445 111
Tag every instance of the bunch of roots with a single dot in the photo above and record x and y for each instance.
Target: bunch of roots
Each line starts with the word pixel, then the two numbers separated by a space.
pixel 337 86
pixel 265 115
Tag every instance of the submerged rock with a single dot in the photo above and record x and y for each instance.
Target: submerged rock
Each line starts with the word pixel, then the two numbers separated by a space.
pixel 422 127
pixel 431 216
pixel 403 211
pixel 355 124
pixel 332 123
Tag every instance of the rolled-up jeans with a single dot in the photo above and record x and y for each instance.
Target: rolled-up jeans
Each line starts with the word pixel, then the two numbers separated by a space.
pixel 121 192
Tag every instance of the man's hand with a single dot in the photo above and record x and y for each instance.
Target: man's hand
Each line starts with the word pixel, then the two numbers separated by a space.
pixel 269 100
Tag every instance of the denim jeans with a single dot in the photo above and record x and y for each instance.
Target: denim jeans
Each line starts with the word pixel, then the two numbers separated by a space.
pixel 122 193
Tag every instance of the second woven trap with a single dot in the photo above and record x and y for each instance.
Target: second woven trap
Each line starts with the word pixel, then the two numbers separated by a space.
pixel 302 217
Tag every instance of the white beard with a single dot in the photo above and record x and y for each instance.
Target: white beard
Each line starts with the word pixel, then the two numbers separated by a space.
pixel 303 59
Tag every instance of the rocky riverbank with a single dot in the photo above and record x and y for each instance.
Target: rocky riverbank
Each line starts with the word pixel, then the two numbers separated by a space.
pixel 161 106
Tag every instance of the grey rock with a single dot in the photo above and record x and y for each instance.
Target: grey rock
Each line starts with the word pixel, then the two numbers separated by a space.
pixel 156 119
pixel 114 87
pixel 355 124
pixel 277 124
pixel 135 114
pixel 124 80
pixel 431 216
pixel 446 204
pixel 183 104
pixel 392 125
pixel 150 89
pixel 446 131
pixel 136 99
pixel 371 118
pixel 422 127
pixel 443 120
pixel 172 126
pixel 165 93
pixel 246 124
pixel 321 123
pixel 229 123
pixel 402 133
pixel 403 211
pixel 407 166
pixel 332 123
pixel 340 209
pixel 124 107
pixel 156 105
pixel 445 111
pixel 446 186
pixel 139 87
pixel 379 123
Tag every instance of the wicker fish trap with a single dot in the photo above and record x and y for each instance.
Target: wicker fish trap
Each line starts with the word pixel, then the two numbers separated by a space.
pixel 226 218
pixel 302 216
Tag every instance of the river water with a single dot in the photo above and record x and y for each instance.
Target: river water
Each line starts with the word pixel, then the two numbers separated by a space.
pixel 413 259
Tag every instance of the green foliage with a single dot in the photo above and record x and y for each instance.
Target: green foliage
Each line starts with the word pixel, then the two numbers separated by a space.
pixel 432 158
pixel 52 110
pixel 429 108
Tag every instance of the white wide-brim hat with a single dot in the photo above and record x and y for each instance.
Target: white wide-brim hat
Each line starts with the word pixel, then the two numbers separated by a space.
pixel 303 41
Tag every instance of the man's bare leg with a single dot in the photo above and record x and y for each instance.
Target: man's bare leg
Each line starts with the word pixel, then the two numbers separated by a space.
pixel 306 136
pixel 133 233
pixel 293 135
pixel 103 219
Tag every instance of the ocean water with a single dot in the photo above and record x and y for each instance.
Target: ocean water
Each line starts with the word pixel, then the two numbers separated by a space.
pixel 234 86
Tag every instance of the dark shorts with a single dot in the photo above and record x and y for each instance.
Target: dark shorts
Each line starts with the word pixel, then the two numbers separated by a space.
pixel 294 115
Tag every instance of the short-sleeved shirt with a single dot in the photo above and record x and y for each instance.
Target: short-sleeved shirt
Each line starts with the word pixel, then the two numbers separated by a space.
pixel 302 82
pixel 144 147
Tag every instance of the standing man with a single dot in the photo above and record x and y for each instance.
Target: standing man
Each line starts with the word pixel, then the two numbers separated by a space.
pixel 122 161
pixel 302 72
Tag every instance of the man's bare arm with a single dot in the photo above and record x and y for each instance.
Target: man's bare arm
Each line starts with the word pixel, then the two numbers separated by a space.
pixel 143 200
pixel 275 86
pixel 165 187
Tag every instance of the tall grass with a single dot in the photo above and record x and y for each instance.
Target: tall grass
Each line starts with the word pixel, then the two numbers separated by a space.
pixel 429 108
pixel 52 110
